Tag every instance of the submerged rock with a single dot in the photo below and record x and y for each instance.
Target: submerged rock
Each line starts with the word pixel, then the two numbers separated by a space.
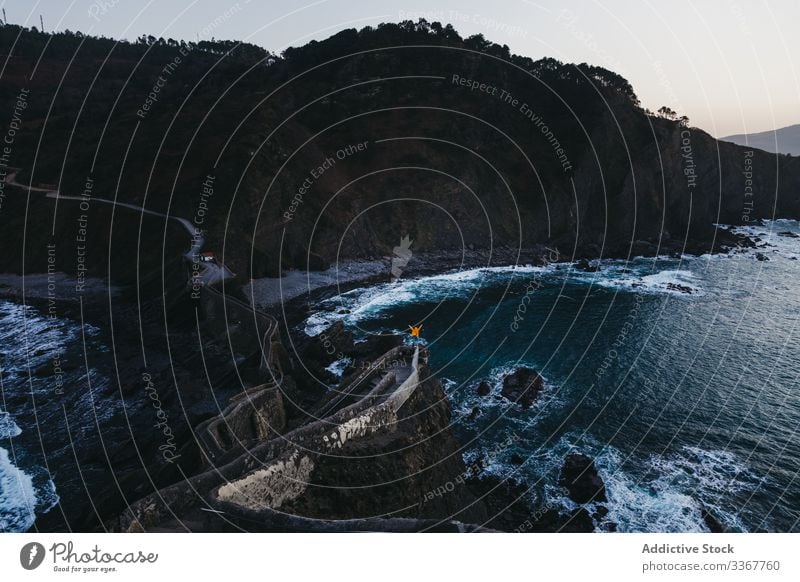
pixel 712 523
pixel 680 288
pixel 579 521
pixel 523 386
pixel 579 475
pixel 484 388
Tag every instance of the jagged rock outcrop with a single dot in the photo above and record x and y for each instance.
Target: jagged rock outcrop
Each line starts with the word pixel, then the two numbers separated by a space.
pixel 712 523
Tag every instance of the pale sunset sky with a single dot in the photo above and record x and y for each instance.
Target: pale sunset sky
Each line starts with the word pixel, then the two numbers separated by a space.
pixel 730 65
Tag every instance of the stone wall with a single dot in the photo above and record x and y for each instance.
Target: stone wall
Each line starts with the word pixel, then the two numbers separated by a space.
pixel 273 468
pixel 257 413
pixel 285 478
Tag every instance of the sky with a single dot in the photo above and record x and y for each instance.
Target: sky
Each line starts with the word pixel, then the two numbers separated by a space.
pixel 732 66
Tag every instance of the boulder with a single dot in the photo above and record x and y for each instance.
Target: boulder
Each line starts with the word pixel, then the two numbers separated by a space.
pixel 327 346
pixel 579 475
pixel 523 386
pixel 484 388
pixel 579 521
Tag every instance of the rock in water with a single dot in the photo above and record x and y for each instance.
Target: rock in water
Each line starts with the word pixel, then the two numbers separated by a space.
pixel 523 386
pixel 679 287
pixel 484 388
pixel 579 521
pixel 713 524
pixel 579 475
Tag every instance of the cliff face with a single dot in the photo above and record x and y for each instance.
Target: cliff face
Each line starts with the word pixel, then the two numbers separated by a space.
pixel 538 153
pixel 412 468
pixel 340 148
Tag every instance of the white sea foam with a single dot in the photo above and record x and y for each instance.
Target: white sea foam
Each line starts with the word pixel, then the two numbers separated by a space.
pixel 667 494
pixel 365 303
pixel 337 367
pixel 33 340
pixel 657 494
pixel 641 277
pixel 768 240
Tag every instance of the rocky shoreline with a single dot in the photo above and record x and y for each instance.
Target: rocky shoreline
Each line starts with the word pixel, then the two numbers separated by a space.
pixel 521 387
pixel 295 287
pixel 484 502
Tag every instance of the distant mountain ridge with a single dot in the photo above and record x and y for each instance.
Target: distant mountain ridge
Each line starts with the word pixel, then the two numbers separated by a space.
pixel 785 140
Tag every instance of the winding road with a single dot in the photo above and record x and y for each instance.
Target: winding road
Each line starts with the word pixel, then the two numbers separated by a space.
pixel 210 271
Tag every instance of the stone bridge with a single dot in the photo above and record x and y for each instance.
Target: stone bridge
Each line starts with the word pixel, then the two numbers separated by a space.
pixel 257 413
pixel 250 491
pixel 256 471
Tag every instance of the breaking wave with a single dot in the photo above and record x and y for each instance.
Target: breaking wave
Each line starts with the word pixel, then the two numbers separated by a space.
pixel 22 496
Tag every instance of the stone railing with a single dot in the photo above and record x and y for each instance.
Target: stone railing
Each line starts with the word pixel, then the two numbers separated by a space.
pixel 257 413
pixel 286 477
pixel 404 391
pixel 274 472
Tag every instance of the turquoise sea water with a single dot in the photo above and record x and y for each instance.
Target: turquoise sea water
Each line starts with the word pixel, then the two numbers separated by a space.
pixel 684 400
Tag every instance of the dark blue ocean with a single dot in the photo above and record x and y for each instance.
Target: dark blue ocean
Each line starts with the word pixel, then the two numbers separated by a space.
pixel 685 400
pixel 51 408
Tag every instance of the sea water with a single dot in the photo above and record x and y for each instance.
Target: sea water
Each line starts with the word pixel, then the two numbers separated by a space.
pixel 679 376
pixel 50 400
